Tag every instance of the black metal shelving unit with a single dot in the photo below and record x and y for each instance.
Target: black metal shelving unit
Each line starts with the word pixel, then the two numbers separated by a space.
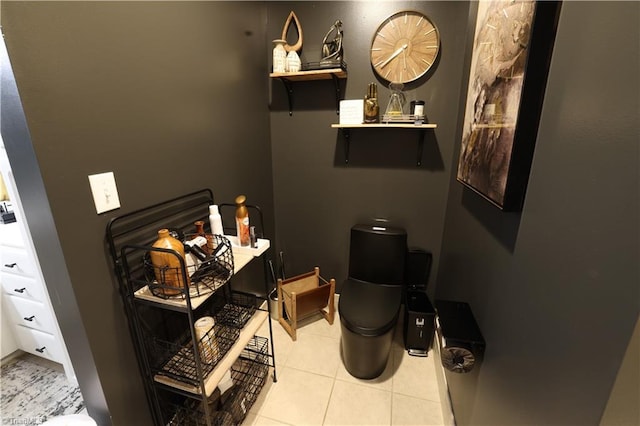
pixel 181 368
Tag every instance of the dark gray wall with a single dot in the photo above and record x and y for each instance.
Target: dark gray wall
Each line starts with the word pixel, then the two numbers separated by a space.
pixel 171 97
pixel 137 87
pixel 555 288
pixel 317 197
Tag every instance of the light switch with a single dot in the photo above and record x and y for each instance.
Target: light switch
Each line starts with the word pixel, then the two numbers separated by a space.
pixel 105 193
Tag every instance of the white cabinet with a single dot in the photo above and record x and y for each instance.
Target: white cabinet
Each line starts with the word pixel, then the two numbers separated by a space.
pixel 27 313
pixel 26 306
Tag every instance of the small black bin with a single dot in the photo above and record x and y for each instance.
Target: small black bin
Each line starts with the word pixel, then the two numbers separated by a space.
pixel 419 323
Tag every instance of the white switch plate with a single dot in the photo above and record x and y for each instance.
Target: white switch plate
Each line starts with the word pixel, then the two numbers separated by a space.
pixel 105 193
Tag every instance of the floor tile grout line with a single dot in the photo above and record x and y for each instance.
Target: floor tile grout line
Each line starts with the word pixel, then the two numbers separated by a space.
pixel 326 409
pixel 311 372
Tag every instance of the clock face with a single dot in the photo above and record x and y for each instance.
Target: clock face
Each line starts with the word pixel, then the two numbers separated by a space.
pixel 404 47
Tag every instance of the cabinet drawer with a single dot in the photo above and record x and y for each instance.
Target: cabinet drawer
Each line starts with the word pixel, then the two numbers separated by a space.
pixel 29 313
pixel 38 343
pixel 16 285
pixel 16 261
pixel 10 233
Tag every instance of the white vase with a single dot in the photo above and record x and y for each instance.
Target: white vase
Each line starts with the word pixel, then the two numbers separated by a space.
pixel 293 62
pixel 279 56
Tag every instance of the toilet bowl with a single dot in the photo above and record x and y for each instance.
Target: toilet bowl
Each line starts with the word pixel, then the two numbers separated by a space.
pixel 370 298
pixel 71 420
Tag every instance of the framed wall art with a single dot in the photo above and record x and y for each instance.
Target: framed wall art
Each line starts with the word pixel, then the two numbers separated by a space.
pixel 511 53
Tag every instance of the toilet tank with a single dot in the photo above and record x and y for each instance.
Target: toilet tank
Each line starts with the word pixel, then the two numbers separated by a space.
pixel 377 254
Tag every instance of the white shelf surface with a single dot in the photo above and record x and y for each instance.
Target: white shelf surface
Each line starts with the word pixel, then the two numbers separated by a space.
pixel 263 245
pixel 241 257
pixel 212 380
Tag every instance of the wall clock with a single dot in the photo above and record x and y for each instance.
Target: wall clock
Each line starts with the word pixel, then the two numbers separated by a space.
pixel 404 47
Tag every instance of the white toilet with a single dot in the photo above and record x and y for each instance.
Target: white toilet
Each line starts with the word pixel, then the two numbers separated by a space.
pixel 71 420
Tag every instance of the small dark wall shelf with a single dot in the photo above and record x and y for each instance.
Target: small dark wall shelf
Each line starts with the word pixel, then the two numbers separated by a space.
pixel 346 132
pixel 288 78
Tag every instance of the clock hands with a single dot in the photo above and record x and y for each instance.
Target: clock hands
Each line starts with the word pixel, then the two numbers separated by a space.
pixel 394 54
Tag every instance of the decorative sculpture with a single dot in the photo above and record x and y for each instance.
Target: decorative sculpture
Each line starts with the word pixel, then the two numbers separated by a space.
pixel 332 50
pixel 298 45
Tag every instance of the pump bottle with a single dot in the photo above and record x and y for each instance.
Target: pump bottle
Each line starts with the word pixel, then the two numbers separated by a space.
pixel 215 220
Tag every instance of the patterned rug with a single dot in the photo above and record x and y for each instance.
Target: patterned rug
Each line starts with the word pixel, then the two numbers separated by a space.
pixel 32 393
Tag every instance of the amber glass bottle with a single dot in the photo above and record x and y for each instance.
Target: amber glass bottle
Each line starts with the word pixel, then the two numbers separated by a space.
pixel 242 221
pixel 200 232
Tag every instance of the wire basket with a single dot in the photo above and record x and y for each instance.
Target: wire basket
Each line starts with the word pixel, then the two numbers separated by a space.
pixel 177 360
pixel 205 273
pixel 249 374
pixel 239 311
pixel 191 413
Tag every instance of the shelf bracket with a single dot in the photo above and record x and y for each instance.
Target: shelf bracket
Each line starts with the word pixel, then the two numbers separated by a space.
pixel 420 148
pixel 289 88
pixel 336 83
pixel 347 134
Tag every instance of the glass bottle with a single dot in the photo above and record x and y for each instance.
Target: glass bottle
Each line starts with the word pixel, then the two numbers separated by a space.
pixel 242 221
pixel 200 232
pixel 371 107
pixel 166 266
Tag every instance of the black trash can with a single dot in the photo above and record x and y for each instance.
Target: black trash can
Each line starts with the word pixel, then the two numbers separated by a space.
pixel 419 323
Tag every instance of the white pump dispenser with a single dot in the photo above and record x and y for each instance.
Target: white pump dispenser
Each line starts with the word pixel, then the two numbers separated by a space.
pixel 215 220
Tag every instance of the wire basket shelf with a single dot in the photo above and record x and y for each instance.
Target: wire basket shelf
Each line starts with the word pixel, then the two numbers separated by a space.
pixel 178 360
pixel 239 311
pixel 205 273
pixel 248 374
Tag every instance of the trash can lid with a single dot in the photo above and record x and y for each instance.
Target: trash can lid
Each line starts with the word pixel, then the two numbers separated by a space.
pixel 418 301
pixel 369 309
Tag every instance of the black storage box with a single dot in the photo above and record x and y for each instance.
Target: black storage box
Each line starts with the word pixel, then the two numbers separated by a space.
pixel 419 323
pixel 462 343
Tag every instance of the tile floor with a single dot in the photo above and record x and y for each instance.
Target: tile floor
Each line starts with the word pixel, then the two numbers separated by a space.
pixel 314 388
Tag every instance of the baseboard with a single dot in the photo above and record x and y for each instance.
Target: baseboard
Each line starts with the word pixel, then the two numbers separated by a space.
pixel 12 356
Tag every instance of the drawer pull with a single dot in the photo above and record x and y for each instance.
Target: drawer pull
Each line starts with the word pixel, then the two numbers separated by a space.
pixel 10 265
pixel 19 290
pixel 41 350
pixel 29 318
